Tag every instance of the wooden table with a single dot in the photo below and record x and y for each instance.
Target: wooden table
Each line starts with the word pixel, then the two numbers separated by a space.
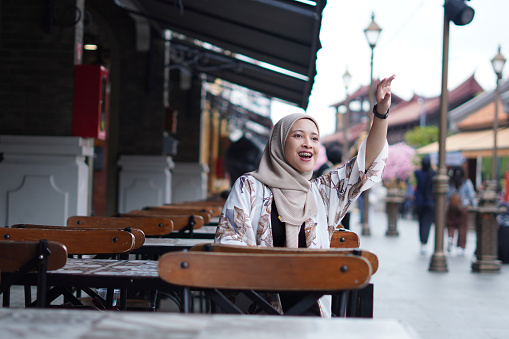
pixel 104 273
pixel 74 324
pixel 204 232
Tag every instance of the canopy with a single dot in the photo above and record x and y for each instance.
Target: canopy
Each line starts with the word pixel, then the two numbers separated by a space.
pixel 280 38
pixel 473 144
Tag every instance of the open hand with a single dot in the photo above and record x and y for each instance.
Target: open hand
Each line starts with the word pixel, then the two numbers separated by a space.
pixel 383 94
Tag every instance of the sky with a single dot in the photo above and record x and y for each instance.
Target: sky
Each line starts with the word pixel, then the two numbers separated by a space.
pixel 410 46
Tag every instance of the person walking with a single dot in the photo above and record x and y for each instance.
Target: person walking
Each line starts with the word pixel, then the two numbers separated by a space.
pixel 424 200
pixel 460 196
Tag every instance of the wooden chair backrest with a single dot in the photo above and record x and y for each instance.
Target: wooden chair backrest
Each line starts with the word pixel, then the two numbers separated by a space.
pixel 167 210
pixel 139 235
pixel 275 272
pixel 343 238
pixel 179 221
pixel 213 210
pixel 77 241
pixel 215 203
pixel 221 248
pixel 15 254
pixel 149 226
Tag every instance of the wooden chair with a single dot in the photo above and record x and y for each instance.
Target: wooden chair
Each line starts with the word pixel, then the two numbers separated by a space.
pixel 150 226
pixel 77 241
pixel 213 209
pixel 313 273
pixel 183 225
pixel 17 258
pixel 343 238
pixel 168 210
pixel 222 248
pixel 103 243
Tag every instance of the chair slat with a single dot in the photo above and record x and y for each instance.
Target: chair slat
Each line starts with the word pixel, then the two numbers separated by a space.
pixel 149 226
pixel 14 254
pixel 167 210
pixel 179 221
pixel 213 210
pixel 265 272
pixel 342 238
pixel 139 235
pixel 77 241
pixel 221 248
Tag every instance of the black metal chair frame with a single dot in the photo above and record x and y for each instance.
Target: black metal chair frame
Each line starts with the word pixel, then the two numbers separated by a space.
pixel 39 263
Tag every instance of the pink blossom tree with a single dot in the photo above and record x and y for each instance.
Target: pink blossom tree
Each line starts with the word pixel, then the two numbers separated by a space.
pixel 400 162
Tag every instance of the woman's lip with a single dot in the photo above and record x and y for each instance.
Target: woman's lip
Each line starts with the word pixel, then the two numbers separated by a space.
pixel 305 159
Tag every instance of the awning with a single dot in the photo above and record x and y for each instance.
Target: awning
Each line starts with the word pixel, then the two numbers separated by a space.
pixel 281 33
pixel 473 144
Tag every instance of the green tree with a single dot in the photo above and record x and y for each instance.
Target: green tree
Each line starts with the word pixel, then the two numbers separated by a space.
pixel 421 136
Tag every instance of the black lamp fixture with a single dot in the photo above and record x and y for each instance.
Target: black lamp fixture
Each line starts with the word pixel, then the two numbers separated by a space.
pixel 459 12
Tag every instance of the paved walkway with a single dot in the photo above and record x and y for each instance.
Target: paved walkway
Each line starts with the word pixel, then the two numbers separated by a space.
pixel 456 304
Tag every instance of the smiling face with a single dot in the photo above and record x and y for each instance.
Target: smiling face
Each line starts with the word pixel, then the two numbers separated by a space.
pixel 302 145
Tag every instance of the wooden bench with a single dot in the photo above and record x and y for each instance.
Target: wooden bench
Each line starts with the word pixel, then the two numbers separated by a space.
pixel 150 226
pixel 314 273
pixel 17 258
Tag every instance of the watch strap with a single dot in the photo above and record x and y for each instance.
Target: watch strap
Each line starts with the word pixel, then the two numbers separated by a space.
pixel 378 115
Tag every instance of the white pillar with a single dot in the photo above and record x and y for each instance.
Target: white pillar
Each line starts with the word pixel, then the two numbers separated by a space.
pixel 189 181
pixel 43 179
pixel 145 180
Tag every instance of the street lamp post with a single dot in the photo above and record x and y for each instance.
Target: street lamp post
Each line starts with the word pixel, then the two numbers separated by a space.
pixel 498 63
pixel 486 226
pixel 460 14
pixel 440 180
pixel 346 117
pixel 372 33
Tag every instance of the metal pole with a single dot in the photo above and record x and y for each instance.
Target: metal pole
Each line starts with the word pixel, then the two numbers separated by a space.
pixel 338 117
pixel 346 123
pixel 440 181
pixel 494 162
pixel 365 195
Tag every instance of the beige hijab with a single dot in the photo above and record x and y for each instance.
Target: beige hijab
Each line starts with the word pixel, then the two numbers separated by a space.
pixel 294 201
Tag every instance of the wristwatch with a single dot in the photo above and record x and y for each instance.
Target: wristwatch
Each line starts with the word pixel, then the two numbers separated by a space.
pixel 378 115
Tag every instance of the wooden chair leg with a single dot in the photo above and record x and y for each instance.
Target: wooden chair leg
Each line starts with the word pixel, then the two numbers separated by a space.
pixel 186 300
pixel 366 302
pixel 28 295
pixel 6 297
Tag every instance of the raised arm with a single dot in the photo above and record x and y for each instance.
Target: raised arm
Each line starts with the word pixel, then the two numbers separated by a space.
pixel 378 132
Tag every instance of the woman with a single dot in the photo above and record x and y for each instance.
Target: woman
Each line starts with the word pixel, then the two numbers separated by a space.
pixel 424 200
pixel 460 195
pixel 278 205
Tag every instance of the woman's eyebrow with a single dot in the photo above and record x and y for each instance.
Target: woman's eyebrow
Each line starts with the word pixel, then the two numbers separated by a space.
pixel 302 131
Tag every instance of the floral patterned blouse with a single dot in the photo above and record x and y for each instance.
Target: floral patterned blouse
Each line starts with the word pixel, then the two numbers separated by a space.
pixel 246 216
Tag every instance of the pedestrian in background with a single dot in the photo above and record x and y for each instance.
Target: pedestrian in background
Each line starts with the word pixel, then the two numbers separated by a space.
pixel 424 200
pixel 460 196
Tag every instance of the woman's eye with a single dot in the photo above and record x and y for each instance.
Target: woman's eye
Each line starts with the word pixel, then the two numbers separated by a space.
pixel 316 139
